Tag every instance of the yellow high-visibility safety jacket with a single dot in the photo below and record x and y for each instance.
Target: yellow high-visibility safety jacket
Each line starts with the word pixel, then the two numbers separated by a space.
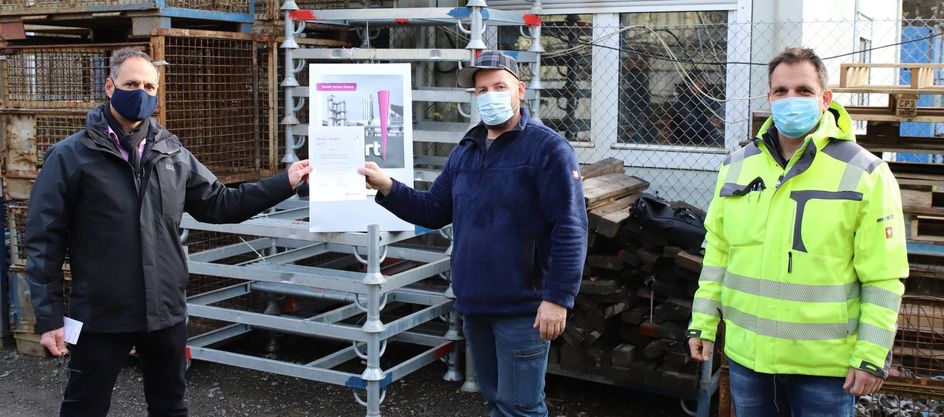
pixel 804 260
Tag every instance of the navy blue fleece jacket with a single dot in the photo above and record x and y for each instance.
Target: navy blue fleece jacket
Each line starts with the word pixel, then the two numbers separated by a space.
pixel 518 216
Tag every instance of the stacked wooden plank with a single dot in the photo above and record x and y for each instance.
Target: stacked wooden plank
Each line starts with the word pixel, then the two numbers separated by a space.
pixel 629 321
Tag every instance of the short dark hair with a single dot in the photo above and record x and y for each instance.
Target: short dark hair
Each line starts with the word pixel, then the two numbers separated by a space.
pixel 797 55
pixel 120 56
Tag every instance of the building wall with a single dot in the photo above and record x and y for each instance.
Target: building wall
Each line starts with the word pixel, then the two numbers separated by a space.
pixel 830 28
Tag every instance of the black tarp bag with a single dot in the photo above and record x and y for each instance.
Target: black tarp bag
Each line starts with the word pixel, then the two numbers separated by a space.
pixel 678 224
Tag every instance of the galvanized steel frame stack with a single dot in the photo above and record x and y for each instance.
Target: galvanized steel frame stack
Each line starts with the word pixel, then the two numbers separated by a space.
pixel 284 237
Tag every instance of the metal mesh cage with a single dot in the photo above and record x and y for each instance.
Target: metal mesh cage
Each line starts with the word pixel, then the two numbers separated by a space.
pixel 226 6
pixel 211 97
pixel 72 6
pixel 919 342
pixel 268 104
pixel 214 95
pixel 53 127
pixel 57 76
pixel 39 5
pixel 16 230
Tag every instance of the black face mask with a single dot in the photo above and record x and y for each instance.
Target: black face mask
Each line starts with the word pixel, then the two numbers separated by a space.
pixel 133 105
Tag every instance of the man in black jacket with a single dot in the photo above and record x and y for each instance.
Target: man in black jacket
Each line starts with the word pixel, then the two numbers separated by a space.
pixel 112 196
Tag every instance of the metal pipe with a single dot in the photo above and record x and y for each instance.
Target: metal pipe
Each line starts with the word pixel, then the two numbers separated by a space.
pixel 453 373
pixel 301 291
pixel 373 326
pixel 471 383
pixel 288 84
pixel 537 48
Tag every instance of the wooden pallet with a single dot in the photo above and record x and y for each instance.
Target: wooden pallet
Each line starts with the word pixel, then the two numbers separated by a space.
pixel 883 136
pixel 914 173
pixel 605 189
pixel 927 228
pixel 856 76
pixel 922 199
pixel 902 99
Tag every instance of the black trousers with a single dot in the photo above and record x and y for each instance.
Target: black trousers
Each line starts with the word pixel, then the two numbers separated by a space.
pixel 98 358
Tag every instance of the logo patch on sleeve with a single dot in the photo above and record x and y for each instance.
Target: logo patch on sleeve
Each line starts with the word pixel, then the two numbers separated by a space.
pixel 575 174
pixel 888 232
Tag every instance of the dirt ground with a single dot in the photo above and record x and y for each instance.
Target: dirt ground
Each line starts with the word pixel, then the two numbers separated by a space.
pixel 28 388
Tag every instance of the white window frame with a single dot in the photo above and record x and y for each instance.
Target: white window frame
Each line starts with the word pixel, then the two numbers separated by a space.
pixel 604 123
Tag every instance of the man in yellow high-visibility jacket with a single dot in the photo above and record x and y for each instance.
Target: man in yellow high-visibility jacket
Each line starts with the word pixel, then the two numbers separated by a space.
pixel 805 256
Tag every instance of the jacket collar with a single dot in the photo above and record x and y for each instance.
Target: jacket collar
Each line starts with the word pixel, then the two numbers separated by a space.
pixel 478 132
pixel 97 128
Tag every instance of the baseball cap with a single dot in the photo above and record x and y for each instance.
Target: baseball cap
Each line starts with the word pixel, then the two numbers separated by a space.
pixel 488 60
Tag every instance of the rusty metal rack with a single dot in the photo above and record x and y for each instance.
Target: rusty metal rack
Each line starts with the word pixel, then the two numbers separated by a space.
pixel 214 96
pixel 212 99
pixel 267 10
pixel 140 16
pixel 918 357
pixel 15 226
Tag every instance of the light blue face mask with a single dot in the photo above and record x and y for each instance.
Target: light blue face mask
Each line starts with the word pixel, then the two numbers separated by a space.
pixel 794 116
pixel 495 107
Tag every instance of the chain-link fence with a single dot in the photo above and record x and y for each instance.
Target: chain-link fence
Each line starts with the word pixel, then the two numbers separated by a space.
pixel 671 93
pixel 668 93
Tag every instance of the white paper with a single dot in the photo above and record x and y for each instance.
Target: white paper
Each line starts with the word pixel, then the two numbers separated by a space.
pixel 72 330
pixel 335 154
pixel 377 100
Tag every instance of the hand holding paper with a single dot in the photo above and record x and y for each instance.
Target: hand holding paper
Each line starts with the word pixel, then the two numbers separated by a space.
pixel 376 178
pixel 54 340
pixel 298 172
pixel 72 330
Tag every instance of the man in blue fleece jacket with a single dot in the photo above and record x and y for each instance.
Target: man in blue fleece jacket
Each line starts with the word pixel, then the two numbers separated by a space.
pixel 512 191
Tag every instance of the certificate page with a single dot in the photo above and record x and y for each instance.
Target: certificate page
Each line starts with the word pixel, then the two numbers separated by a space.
pixel 335 154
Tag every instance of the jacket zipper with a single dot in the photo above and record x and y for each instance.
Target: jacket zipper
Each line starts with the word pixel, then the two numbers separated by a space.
pixel 134 175
pixel 137 176
pixel 780 181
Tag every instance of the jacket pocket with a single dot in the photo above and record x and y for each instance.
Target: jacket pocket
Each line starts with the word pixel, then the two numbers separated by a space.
pixel 171 190
pixel 532 264
pixel 529 369
pixel 824 221
pixel 743 213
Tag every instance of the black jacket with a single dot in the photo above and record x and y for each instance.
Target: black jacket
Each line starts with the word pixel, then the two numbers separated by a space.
pixel 120 230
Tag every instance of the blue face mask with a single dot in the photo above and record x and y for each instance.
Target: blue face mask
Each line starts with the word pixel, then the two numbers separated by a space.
pixel 133 105
pixel 495 107
pixel 794 116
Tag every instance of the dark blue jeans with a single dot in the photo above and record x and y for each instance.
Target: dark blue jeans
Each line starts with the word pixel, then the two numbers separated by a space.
pixel 765 395
pixel 510 360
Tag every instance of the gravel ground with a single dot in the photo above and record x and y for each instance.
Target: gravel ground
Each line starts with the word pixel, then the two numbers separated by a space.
pixel 28 388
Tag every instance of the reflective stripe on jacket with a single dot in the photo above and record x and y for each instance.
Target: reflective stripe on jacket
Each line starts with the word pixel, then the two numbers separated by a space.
pixel 805 257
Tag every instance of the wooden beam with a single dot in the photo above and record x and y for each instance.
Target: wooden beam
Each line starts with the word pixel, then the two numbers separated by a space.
pixel 608 219
pixel 601 190
pixel 603 167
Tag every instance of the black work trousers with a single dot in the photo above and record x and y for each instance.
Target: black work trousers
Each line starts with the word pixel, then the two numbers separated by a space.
pixel 97 360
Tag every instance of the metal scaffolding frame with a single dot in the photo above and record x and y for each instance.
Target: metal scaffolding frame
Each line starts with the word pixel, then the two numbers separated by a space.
pixel 282 239
pixel 471 20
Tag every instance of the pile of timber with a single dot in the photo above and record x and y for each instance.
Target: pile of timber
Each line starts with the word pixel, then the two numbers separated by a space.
pixel 629 321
